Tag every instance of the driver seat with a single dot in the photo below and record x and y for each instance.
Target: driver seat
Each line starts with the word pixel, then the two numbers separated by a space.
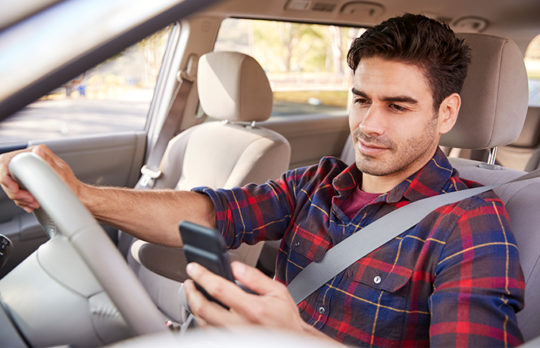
pixel 493 111
pixel 494 108
pixel 234 89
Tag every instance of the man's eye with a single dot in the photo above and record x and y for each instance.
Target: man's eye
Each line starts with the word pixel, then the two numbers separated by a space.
pixel 397 107
pixel 361 101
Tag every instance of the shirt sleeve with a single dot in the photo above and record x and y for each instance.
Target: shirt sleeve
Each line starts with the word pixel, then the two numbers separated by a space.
pixel 478 284
pixel 253 213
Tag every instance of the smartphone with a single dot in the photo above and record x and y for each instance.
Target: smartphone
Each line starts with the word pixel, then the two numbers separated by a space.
pixel 206 247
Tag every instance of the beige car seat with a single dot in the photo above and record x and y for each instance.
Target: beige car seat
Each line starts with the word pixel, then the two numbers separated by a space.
pixel 495 101
pixel 524 153
pixel 493 111
pixel 232 152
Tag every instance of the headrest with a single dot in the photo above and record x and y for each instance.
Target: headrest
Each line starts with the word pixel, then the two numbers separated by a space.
pixel 233 86
pixel 494 95
pixel 530 135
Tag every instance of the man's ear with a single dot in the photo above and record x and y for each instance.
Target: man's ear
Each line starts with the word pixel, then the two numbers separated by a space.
pixel 448 112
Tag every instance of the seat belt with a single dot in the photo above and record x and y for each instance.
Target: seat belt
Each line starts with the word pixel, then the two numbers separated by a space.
pixel 150 171
pixel 379 232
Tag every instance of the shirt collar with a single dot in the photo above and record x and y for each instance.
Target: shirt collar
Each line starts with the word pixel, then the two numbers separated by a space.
pixel 428 181
pixel 347 181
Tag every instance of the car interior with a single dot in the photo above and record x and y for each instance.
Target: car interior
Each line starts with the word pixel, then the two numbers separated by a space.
pixel 238 152
pixel 100 286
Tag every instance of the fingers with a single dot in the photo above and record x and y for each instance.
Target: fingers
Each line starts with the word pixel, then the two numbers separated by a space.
pixel 249 307
pixel 201 322
pixel 48 156
pixel 7 182
pixel 22 197
pixel 60 167
pixel 25 200
pixel 208 313
pixel 52 159
pixel 271 296
pixel 273 307
pixel 217 286
pixel 12 189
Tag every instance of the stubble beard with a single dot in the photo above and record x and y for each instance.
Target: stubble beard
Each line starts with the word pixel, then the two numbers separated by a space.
pixel 400 157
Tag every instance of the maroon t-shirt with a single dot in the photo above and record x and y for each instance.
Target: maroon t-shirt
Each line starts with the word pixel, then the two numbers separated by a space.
pixel 356 201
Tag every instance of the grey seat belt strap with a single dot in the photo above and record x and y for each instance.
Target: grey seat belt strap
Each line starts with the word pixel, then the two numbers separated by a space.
pixel 379 232
pixel 150 171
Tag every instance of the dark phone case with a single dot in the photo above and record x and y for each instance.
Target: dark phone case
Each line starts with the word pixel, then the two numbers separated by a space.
pixel 206 247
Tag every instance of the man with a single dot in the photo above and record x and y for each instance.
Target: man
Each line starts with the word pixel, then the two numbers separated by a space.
pixel 453 279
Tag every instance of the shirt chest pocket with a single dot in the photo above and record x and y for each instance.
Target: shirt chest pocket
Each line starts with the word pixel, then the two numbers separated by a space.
pixel 376 297
pixel 375 286
pixel 375 277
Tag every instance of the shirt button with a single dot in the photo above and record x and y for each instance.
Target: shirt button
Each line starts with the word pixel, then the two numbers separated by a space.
pixel 296 244
pixel 322 310
pixel 377 279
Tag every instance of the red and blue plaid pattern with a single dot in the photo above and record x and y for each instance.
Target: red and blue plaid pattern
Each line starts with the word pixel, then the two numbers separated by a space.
pixel 452 280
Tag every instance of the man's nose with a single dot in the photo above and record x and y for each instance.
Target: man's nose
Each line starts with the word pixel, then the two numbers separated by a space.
pixel 372 122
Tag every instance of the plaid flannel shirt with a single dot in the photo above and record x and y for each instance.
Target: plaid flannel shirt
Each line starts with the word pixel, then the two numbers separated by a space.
pixel 452 280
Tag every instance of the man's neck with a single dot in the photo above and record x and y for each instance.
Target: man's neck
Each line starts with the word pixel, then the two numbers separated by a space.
pixel 379 184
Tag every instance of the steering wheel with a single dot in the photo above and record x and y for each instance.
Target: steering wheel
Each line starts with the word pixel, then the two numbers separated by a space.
pixel 88 239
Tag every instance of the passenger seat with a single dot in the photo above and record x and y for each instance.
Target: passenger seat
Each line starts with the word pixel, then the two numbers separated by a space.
pixel 234 151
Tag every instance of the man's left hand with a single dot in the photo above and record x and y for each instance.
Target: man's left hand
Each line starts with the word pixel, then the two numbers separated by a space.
pixel 272 307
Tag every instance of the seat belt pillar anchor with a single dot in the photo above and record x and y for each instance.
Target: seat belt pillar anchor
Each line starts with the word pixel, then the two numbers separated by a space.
pixel 189 72
pixel 149 172
pixel 183 75
pixel 149 177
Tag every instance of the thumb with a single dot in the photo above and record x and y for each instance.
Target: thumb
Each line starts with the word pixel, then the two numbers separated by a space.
pixel 56 163
pixel 254 279
pixel 46 154
pixel 39 150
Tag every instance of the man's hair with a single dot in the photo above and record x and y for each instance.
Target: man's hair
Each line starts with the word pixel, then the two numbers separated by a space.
pixel 418 40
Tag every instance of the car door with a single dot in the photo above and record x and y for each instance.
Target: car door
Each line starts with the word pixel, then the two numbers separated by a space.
pixel 98 123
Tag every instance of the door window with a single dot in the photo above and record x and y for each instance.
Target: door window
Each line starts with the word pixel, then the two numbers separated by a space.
pixel 532 62
pixel 112 97
pixel 305 63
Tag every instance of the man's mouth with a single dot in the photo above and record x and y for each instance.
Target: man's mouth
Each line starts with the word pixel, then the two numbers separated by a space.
pixel 370 149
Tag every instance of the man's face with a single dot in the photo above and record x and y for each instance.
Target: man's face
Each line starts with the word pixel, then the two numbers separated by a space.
pixel 394 127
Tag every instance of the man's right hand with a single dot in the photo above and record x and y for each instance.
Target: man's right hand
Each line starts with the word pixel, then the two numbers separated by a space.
pixel 22 197
pixel 151 215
